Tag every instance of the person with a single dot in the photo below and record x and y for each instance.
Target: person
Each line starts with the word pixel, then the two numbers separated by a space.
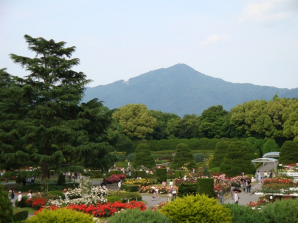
pixel 163 183
pixel 130 174
pixel 12 197
pixel 173 192
pixel 265 175
pixel 157 192
pixel 221 196
pixel 244 185
pixel 20 199
pixel 232 192
pixel 119 185
pixel 243 174
pixel 32 180
pixel 154 193
pixel 248 185
pixel 29 180
pixel 104 183
pixel 169 195
pixel 29 195
pixel 171 183
pixel 236 197
pixel 259 177
pixel 270 174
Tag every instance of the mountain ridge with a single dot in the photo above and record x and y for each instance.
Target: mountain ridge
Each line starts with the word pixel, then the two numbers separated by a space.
pixel 181 90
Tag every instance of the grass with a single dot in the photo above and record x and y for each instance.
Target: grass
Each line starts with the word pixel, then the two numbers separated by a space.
pixel 29 209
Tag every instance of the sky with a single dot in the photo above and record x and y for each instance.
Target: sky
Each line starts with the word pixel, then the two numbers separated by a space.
pixel 248 41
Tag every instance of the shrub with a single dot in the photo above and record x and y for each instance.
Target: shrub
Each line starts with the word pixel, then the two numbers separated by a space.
pixel 121 157
pixel 60 215
pixel 61 179
pixel 136 173
pixel 57 194
pixel 24 203
pixel 138 216
pixel 131 157
pixel 289 152
pixel 161 174
pixel 281 211
pixel 20 216
pixel 206 186
pixel 143 156
pixel 113 198
pixel 199 157
pixel 6 212
pixel 130 188
pixel 244 214
pixel 187 189
pixel 182 156
pixel 128 195
pixel 196 209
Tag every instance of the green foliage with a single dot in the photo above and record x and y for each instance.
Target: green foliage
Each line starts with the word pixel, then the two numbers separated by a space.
pixel 124 144
pixel 61 179
pixel 116 172
pixel 20 216
pixel 143 156
pixel 138 216
pixel 136 120
pixel 289 152
pixel 270 146
pixel 196 209
pixel 23 202
pixel 245 214
pixel 6 211
pixel 199 157
pixel 238 159
pixel 284 211
pixel 113 198
pixel 138 173
pixel 130 188
pixel 161 174
pixel 182 156
pixel 128 195
pixel 187 189
pixel 220 152
pixel 205 186
pixel 61 215
pixel 121 157
pixel 131 157
pixel 57 194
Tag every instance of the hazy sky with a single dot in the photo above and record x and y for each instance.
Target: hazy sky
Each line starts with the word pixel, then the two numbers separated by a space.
pixel 240 41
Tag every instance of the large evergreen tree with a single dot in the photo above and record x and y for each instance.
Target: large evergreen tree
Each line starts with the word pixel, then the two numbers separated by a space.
pixel 289 152
pixel 143 156
pixel 44 123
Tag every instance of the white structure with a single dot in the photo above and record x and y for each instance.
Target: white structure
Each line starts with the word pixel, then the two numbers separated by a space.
pixel 271 155
pixel 266 160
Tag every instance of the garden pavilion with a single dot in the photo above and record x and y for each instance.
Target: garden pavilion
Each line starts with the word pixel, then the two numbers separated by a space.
pixel 267 159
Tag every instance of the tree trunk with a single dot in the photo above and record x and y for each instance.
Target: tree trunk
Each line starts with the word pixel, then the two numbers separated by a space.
pixel 46 171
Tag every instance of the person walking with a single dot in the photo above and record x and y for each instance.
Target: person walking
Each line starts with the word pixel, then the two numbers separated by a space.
pixel 170 183
pixel 173 192
pixel 232 191
pixel 248 185
pixel 104 183
pixel 221 196
pixel 29 195
pixel 244 185
pixel 236 197
pixel 169 195
pixel 119 185
pixel 12 198
pixel 259 177
pixel 20 199
pixel 154 193
pixel 157 192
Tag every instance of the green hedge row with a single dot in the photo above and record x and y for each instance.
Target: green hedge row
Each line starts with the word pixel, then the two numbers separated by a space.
pixel 20 216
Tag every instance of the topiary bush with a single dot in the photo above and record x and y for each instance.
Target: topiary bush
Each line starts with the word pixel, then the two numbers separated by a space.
pixel 161 174
pixel 131 157
pixel 199 157
pixel 138 216
pixel 6 212
pixel 57 195
pixel 281 211
pixel 196 209
pixel 206 186
pixel 121 157
pixel 245 214
pixel 61 215
pixel 20 216
pixel 187 189
pixel 130 188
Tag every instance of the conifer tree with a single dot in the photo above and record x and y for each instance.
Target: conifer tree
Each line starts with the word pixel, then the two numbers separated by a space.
pixel 182 156
pixel 143 156
pixel 45 123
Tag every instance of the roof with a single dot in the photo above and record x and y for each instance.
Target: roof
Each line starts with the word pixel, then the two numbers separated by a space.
pixel 264 160
pixel 271 154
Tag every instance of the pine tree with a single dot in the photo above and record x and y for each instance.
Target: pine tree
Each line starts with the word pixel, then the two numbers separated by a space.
pixel 50 128
pixel 143 156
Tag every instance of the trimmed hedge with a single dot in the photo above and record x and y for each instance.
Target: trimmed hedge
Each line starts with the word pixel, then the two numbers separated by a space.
pixel 130 188
pixel 116 172
pixel 187 189
pixel 206 186
pixel 20 216
pixel 137 173
pixel 161 174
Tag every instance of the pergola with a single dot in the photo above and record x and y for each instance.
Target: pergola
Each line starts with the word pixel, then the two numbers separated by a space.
pixel 271 154
pixel 266 160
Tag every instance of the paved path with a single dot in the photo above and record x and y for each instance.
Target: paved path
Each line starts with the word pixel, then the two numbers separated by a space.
pixel 244 197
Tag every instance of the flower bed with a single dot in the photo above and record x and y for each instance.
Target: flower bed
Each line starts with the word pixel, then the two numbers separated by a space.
pixel 143 181
pixel 114 178
pixel 148 189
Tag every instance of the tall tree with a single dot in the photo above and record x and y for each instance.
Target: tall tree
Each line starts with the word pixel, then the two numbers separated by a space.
pixel 136 120
pixel 289 152
pixel 183 156
pixel 50 128
pixel 143 156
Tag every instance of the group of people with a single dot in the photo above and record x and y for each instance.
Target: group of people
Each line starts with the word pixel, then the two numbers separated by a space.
pixel 259 177
pixel 11 196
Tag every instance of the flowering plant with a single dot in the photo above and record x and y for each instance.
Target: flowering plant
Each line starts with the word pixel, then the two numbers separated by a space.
pixel 37 202
pixel 114 178
pixel 260 202
pixel 149 189
pixel 275 185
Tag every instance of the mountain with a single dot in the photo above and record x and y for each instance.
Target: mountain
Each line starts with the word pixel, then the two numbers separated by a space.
pixel 181 90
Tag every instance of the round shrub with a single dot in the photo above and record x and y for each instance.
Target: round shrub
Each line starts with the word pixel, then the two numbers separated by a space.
pixel 61 215
pixel 199 157
pixel 6 212
pixel 196 209
pixel 245 214
pixel 284 211
pixel 131 157
pixel 121 157
pixel 138 216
